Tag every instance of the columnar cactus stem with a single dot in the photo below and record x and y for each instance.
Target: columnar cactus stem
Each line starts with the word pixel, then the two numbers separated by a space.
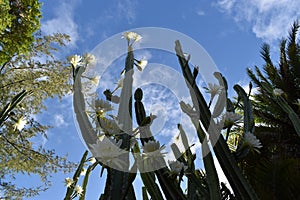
pixel 239 184
pixel 284 106
pixel 89 135
pixel 76 175
pixel 119 179
pixel 171 191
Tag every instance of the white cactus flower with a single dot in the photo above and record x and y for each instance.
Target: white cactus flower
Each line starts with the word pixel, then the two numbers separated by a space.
pixel 92 160
pixel 278 92
pixel 141 64
pixel 83 172
pixel 119 84
pixel 107 150
pixel 131 36
pixel 89 58
pixel 95 80
pixel 78 190
pixel 110 126
pixel 177 166
pixel 75 60
pixel 152 149
pixel 213 89
pixel 102 106
pixel 231 118
pixel 20 124
pixel 137 37
pixel 68 182
pixel 251 141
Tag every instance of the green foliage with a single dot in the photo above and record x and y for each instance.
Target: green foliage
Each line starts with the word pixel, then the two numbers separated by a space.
pixel 276 109
pixel 39 72
pixel 19 20
pixel 284 77
pixel 7 110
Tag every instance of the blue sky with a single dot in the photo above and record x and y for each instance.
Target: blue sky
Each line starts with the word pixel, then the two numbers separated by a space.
pixel 231 31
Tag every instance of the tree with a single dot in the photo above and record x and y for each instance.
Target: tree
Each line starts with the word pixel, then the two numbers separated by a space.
pixel 19 20
pixel 29 74
pixel 275 172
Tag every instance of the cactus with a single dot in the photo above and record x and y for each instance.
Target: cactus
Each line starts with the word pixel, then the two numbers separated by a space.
pixel 284 106
pixel 167 185
pixel 70 190
pixel 163 182
pixel 239 184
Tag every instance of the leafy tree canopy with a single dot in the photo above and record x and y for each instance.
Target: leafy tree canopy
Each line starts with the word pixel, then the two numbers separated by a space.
pixel 28 70
pixel 19 20
pixel 275 172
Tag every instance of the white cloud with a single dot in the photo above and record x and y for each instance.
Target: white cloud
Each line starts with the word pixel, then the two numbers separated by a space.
pixel 59 120
pixel 226 5
pixel 126 8
pixel 269 19
pixel 117 11
pixel 200 12
pixel 63 22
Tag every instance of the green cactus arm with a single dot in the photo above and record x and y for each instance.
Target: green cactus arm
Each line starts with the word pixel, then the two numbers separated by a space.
pixel 210 169
pixel 248 111
pixel 86 128
pixel 239 184
pixel 148 179
pixel 130 193
pixel 119 179
pixel 196 189
pixel 285 107
pixel 188 153
pixel 144 192
pixel 212 175
pixel 76 175
pixel 168 186
pixel 86 179
pixel 291 113
pixel 180 158
pixel 183 137
pixel 221 101
pixel 197 98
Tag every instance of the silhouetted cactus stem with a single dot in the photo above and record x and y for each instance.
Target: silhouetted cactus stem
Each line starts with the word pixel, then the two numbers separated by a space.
pixel 118 188
pixel 70 190
pixel 239 184
pixel 142 120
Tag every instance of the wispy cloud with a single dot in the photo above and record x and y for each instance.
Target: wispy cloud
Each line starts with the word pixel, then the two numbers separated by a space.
pixel 126 8
pixel 268 19
pixel 200 12
pixel 63 22
pixel 59 120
